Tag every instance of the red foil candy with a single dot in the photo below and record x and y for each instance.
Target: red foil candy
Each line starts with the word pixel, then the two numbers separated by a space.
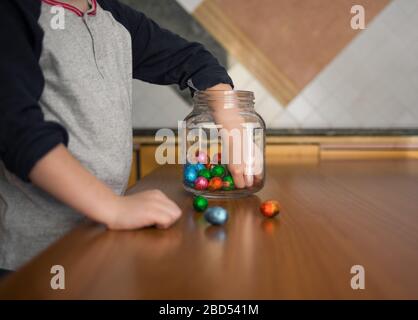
pixel 201 183
pixel 270 208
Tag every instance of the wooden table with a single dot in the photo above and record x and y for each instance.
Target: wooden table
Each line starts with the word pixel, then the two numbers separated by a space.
pixel 335 215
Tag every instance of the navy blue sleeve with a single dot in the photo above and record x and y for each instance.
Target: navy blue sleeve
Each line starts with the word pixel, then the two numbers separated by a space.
pixel 25 137
pixel 162 57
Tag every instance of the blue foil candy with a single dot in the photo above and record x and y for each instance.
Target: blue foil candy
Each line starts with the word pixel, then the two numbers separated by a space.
pixel 216 215
pixel 190 174
pixel 199 166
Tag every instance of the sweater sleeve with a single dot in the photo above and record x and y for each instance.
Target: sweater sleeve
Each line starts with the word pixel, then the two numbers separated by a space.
pixel 162 57
pixel 25 137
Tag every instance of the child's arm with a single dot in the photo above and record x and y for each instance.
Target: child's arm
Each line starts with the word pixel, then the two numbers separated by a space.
pixel 162 57
pixel 34 149
pixel 61 175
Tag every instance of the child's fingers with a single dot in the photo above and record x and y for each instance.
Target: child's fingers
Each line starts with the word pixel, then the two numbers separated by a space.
pixel 239 181
pixel 160 199
pixel 258 178
pixel 169 208
pixel 171 205
pixel 238 175
pixel 249 180
pixel 165 219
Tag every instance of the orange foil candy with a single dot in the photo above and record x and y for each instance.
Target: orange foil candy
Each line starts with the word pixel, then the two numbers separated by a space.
pixel 270 208
pixel 215 184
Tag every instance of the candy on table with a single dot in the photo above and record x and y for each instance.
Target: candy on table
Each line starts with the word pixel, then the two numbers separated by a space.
pixel 270 208
pixel 228 183
pixel 201 183
pixel 216 215
pixel 200 203
pixel 205 173
pixel 202 157
pixel 190 174
pixel 218 171
pixel 215 184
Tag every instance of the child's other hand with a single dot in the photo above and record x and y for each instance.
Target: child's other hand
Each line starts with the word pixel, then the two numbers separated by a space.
pixel 143 209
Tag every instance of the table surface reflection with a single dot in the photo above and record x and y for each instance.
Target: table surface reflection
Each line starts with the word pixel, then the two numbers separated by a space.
pixel 335 215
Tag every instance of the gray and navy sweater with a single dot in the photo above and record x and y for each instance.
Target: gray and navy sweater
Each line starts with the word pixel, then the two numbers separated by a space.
pixel 72 86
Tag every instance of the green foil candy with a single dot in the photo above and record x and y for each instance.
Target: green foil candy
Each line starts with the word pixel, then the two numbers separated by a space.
pixel 228 183
pixel 205 173
pixel 218 171
pixel 200 203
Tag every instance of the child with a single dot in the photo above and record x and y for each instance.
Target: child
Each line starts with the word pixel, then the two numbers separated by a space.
pixel 65 116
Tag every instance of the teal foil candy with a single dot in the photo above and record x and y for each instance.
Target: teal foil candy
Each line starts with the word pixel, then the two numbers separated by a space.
pixel 197 166
pixel 200 166
pixel 190 174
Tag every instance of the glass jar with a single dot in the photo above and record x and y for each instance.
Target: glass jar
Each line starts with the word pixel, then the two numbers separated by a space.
pixel 224 145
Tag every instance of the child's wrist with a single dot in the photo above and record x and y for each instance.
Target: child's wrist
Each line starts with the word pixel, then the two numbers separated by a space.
pixel 111 210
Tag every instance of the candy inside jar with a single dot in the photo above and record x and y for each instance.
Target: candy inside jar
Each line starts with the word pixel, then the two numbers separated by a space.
pixel 213 177
pixel 213 180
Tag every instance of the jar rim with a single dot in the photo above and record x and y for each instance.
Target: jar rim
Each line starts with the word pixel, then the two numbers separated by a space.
pixel 225 92
pixel 230 98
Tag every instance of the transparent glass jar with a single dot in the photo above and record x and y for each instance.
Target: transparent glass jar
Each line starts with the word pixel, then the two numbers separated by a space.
pixel 224 145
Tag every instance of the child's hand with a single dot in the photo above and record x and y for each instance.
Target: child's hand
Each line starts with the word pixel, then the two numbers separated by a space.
pixel 144 209
pixel 60 174
pixel 249 171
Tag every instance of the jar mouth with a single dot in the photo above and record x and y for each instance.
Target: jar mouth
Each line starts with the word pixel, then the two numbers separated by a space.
pixel 226 99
